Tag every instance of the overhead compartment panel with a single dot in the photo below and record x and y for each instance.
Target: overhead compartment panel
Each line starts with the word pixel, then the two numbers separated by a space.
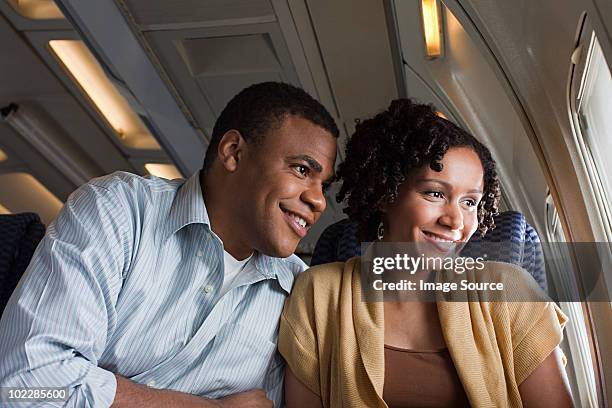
pixel 210 65
pixel 187 11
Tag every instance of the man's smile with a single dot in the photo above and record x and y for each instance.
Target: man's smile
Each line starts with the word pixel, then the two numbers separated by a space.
pixel 297 222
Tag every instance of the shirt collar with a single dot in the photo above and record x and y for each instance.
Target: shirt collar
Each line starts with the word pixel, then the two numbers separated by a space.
pixel 188 206
pixel 278 268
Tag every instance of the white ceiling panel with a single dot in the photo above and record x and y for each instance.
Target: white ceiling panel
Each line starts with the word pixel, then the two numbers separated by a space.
pixel 22 23
pixel 355 46
pixel 210 65
pixel 23 75
pixel 23 157
pixel 186 11
pixel 27 80
pixel 233 54
pixel 83 130
pixel 221 88
pixel 21 192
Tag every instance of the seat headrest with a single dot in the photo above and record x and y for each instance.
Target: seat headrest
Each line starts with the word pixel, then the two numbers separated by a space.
pixel 519 244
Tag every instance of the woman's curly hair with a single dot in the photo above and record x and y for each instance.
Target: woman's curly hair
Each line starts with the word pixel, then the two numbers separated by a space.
pixel 385 150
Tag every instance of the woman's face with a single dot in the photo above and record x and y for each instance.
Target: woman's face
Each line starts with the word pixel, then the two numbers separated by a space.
pixel 439 209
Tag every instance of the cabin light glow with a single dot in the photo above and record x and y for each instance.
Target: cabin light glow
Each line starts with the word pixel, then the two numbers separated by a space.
pixel 167 171
pixel 37 9
pixel 4 210
pixel 22 192
pixel 88 73
pixel 442 115
pixel 432 28
pixel 3 156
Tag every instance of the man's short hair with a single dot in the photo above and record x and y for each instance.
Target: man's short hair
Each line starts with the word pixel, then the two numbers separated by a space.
pixel 260 107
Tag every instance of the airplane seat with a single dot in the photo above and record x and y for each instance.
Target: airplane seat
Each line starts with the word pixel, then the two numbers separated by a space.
pixel 519 244
pixel 337 243
pixel 19 237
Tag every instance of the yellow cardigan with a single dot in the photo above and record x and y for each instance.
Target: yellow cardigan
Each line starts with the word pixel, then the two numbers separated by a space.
pixel 334 342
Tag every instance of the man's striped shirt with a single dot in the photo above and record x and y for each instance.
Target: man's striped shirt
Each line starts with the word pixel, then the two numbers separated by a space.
pixel 125 281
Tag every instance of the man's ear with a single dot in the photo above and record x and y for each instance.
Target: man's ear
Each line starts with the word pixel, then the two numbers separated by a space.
pixel 231 150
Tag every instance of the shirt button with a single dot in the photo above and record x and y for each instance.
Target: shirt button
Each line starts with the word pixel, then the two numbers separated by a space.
pixel 199 253
pixel 208 288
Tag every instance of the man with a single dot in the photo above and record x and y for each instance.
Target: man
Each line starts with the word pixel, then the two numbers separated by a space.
pixel 148 292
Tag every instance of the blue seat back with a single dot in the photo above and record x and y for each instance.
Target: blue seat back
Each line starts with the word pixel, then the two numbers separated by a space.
pixel 518 244
pixel 19 237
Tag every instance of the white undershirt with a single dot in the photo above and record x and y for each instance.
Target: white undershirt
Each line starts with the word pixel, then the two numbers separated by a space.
pixel 232 267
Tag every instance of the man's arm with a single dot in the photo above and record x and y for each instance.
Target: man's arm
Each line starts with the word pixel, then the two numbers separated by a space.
pixel 55 326
pixel 132 395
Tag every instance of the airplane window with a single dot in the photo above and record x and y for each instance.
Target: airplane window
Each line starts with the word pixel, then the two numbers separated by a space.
pixel 593 105
pixel 581 371
pixel 590 101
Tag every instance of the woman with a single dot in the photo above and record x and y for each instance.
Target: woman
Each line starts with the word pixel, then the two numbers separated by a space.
pixel 410 176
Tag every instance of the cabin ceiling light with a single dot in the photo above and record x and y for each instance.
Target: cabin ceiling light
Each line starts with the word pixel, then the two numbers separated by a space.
pixel 22 192
pixel 432 27
pixel 167 171
pixel 48 140
pixel 37 9
pixel 4 210
pixel 3 155
pixel 88 73
pixel 441 114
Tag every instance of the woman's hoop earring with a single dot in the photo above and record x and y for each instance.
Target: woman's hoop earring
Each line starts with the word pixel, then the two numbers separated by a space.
pixel 380 232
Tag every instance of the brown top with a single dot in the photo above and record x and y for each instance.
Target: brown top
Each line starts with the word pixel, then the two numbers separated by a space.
pixel 424 379
pixel 333 341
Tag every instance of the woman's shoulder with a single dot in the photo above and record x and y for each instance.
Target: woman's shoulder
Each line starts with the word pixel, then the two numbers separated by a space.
pixel 518 284
pixel 314 299
pixel 525 305
pixel 324 278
